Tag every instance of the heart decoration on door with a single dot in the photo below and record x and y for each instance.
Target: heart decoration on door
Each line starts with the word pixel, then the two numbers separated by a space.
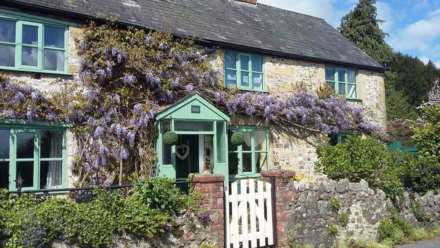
pixel 182 151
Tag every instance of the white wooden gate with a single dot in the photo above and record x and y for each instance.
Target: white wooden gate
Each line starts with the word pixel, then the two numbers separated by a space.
pixel 249 220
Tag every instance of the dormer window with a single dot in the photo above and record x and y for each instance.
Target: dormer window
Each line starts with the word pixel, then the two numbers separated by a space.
pixel 34 45
pixel 244 71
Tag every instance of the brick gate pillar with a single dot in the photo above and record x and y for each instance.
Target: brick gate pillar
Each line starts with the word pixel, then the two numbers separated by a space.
pixel 211 188
pixel 284 195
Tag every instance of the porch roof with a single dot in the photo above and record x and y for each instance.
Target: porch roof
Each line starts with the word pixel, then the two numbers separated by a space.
pixel 193 107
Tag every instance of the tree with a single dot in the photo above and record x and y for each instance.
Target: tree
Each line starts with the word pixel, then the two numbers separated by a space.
pixel 361 26
pixel 413 77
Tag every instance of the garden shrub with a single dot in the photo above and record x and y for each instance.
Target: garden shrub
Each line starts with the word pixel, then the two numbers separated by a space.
pixel 161 194
pixel 395 229
pixel 361 158
pixel 26 222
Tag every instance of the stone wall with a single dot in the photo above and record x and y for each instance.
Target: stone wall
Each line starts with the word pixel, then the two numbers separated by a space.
pixel 353 209
pixel 190 233
pixel 422 210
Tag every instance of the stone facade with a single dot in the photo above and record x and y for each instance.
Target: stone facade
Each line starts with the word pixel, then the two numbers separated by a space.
pixel 280 75
pixel 286 75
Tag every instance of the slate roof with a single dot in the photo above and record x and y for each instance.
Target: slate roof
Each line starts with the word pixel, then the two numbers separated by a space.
pixel 228 23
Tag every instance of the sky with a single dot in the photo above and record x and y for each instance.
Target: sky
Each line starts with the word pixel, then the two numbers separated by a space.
pixel 413 26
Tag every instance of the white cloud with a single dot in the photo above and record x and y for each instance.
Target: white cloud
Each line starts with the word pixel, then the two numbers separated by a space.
pixel 385 14
pixel 325 9
pixel 421 36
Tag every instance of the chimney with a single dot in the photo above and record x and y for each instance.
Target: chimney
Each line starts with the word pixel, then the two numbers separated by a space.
pixel 254 2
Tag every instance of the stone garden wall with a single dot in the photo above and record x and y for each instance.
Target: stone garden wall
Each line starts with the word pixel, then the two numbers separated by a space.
pixel 327 210
pixel 422 210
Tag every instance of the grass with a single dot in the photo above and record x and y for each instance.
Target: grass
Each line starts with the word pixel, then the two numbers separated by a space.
pixel 416 234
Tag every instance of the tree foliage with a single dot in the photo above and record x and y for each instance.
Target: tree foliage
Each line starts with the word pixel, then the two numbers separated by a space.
pixel 361 26
pixel 361 158
pixel 412 77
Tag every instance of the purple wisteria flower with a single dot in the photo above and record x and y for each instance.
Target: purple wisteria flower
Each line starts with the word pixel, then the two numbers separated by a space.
pixel 129 79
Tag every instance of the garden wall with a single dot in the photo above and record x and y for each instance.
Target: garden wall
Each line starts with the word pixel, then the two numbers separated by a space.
pixel 326 210
pixel 422 210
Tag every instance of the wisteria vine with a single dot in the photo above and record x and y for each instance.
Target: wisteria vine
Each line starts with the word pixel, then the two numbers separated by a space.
pixel 129 75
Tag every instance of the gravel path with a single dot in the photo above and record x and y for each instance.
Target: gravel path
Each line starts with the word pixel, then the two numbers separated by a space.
pixel 423 244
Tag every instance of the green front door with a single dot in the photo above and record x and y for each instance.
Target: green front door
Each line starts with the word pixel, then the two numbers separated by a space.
pixel 187 156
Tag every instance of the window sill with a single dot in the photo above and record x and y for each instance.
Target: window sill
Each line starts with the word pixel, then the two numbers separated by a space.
pixel 354 100
pixel 36 71
pixel 246 90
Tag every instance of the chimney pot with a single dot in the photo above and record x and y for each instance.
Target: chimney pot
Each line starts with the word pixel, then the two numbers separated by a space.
pixel 254 2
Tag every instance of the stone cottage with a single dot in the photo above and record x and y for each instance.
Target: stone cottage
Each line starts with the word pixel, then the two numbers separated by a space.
pixel 259 49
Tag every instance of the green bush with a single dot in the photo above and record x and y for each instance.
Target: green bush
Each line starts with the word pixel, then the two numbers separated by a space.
pixel 139 220
pixel 161 194
pixel 389 230
pixel 362 158
pixel 143 214
pixel 396 228
pixel 420 174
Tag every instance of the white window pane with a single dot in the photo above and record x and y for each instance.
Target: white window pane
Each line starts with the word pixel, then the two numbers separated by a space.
pixel 245 78
pixel 25 174
pixel 261 161
pixel 257 63
pixel 341 75
pixel 247 162
pixel 329 74
pixel 341 89
pixel 166 156
pixel 233 163
pixel 30 35
pixel 51 144
pixel 244 61
pixel 53 60
pixel 231 78
pixel 4 175
pixel 257 81
pixel 51 173
pixel 246 146
pixel 54 37
pixel 30 56
pixel 4 144
pixel 351 76
pixel 230 60
pixel 260 140
pixel 352 91
pixel 7 31
pixel 25 145
pixel 7 57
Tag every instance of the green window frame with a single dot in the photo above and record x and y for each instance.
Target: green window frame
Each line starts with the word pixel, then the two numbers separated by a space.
pixel 342 81
pixel 33 44
pixel 32 157
pixel 250 158
pixel 244 71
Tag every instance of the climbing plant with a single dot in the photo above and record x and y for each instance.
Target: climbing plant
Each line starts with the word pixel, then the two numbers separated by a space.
pixel 128 75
